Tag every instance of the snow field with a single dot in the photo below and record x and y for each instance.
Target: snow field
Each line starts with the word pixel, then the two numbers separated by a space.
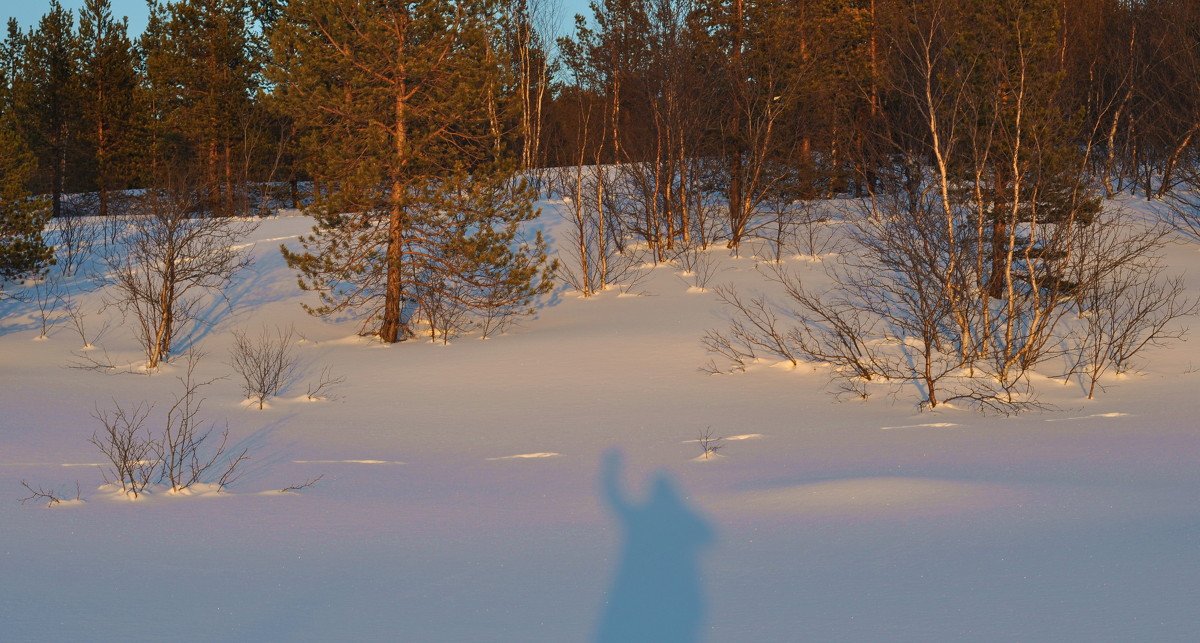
pixel 461 499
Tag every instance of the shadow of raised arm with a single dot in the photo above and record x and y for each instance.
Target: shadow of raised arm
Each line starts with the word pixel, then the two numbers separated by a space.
pixel 656 593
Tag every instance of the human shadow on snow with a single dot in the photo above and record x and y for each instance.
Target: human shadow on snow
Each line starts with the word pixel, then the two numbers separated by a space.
pixel 656 594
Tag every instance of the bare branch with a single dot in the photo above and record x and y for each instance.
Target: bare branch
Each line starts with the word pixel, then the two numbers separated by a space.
pixel 169 256
pixel 38 494
pixel 266 363
pixel 319 390
pixel 305 485
pixel 710 444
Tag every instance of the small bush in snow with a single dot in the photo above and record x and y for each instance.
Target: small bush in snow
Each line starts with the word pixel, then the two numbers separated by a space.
pixel 266 363
pixel 182 455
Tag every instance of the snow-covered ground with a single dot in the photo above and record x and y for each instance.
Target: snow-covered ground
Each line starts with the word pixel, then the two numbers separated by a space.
pixel 482 490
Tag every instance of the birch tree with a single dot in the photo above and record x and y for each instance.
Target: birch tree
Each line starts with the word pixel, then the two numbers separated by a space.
pixel 169 259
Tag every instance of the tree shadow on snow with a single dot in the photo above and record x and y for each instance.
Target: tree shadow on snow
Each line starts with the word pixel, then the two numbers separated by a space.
pixel 261 457
pixel 656 593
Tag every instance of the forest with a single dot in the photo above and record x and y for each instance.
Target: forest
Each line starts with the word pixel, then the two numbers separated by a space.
pixel 976 140
pixel 753 101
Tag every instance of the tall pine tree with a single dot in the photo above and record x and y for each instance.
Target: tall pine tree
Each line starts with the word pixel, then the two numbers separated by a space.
pixel 108 82
pixel 12 52
pixel 48 101
pixel 201 72
pixel 419 216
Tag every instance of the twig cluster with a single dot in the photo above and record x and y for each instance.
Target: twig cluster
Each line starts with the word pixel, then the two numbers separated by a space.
pixel 50 496
pixel 181 454
pixel 709 443
pixel 267 363
pixel 305 485
pixel 909 304
pixel 696 264
pixel 320 389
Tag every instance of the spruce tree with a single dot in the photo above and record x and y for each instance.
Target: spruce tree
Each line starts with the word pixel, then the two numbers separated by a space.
pixel 23 252
pixel 420 214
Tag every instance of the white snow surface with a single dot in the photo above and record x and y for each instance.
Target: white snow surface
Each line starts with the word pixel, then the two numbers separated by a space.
pixel 462 496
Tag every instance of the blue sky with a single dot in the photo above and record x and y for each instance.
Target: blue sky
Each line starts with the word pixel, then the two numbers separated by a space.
pixel 28 12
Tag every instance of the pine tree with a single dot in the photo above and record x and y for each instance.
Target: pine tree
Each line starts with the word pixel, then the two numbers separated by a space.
pixel 23 252
pixel 1029 174
pixel 108 81
pixel 420 216
pixel 48 101
pixel 12 51
pixel 201 72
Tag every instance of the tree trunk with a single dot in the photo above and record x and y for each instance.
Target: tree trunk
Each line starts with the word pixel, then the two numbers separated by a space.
pixel 392 328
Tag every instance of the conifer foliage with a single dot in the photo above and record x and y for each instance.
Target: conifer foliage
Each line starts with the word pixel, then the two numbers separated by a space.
pixel 418 209
pixel 48 99
pixel 202 72
pixel 108 85
pixel 22 217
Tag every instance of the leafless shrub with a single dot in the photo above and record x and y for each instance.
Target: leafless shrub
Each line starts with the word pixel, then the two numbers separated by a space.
pixel 40 494
pixel 796 227
pixel 128 445
pixel 48 296
pixel 169 256
pixel 87 360
pixel 444 303
pixel 1123 300
pixel 814 235
pixel 755 325
pixel 710 444
pixel 778 227
pixel 853 388
pixel 999 397
pixel 497 315
pixel 736 353
pixel 495 321
pixel 79 324
pixel 180 455
pixel 86 357
pixel 1183 203
pixel 834 330
pixel 912 303
pixel 267 363
pixel 73 235
pixel 582 259
pixel 1123 315
pixel 114 227
pixel 629 275
pixel 304 485
pixel 597 255
pixel 181 449
pixel 696 264
pixel 50 496
pixel 319 390
pixel 885 318
pixel 232 469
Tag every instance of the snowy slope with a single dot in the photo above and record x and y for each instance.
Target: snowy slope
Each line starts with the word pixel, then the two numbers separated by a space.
pixel 830 521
